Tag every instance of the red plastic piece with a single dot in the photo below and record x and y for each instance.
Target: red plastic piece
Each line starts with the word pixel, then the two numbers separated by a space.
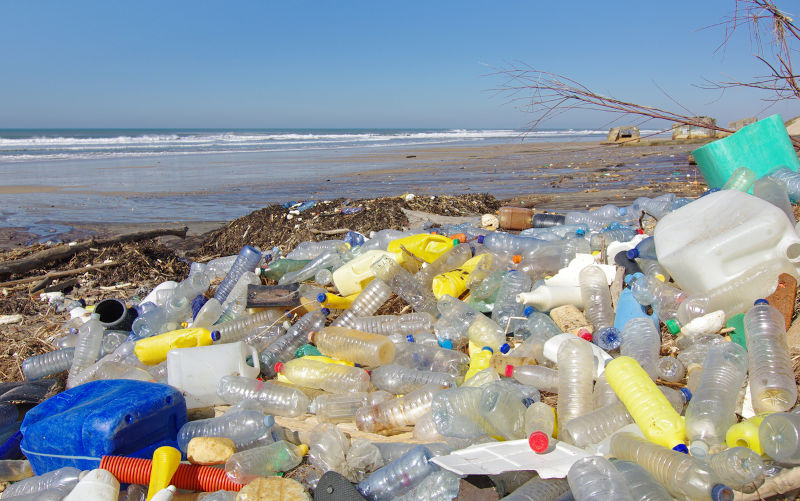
pixel 539 442
pixel 279 367
pixel 584 334
pixel 509 370
pixel 192 477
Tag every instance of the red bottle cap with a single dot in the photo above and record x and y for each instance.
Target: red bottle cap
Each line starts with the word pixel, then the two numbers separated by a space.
pixel 584 334
pixel 539 442
pixel 509 370
pixel 279 367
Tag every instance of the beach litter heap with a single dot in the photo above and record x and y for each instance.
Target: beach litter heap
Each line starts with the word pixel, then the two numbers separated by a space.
pixel 580 353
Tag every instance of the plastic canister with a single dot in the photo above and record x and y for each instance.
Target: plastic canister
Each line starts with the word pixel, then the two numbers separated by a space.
pixel 761 147
pixel 197 371
pixel 353 276
pixel 718 237
pixel 425 246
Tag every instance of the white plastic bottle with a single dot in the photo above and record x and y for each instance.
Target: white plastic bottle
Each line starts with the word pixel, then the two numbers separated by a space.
pixel 90 338
pixel 96 485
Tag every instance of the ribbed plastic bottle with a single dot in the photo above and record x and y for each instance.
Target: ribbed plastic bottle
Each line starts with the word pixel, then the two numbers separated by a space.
pixel 450 260
pixel 90 338
pixel 236 302
pixel 642 342
pixel 505 303
pixel 363 348
pixel 745 434
pixel 63 479
pixel 590 219
pixel 513 244
pixel 739 468
pixel 329 259
pixel 575 380
pixel 438 485
pixel 365 304
pixel 399 379
pixel 310 250
pixel 684 476
pixel 670 369
pixel 273 398
pixel 539 376
pixel 648 406
pixel 399 476
pixel 603 393
pixel 774 192
pixel 247 260
pixel 503 409
pixel 779 435
pixel 712 409
pixel 542 323
pixel 656 206
pixel 402 283
pixel 238 329
pixel 455 412
pixel 333 378
pixel 242 427
pixel 790 179
pixel 481 330
pixel 666 299
pixel 386 325
pixel 741 179
pixel 645 249
pixel 652 268
pixel 431 358
pixel 338 408
pixel 397 412
pixel 594 477
pixel 39 366
pixel 772 385
pixel 640 482
pixel 539 489
pixel 244 466
pixel 283 348
pixel 597 307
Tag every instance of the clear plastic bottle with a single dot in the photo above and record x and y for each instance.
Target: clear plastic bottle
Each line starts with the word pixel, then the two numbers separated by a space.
pixel 221 266
pixel 338 408
pixel 741 179
pixel 363 348
pixel 506 242
pixel 739 468
pixel 542 323
pixel 397 412
pixel 670 369
pixel 503 409
pixel 425 429
pixel 779 435
pixel 652 268
pixel 603 393
pixel 539 489
pixel 594 477
pixel 590 219
pixel 450 260
pixel 455 412
pixel 597 307
pixel 623 234
pixel 484 290
pixel 645 249
pixel 329 259
pixel 278 268
pixel 177 307
pixel 790 179
pixel 333 378
pixel 273 398
pixel 236 302
pixel 244 466
pixel 399 379
pixel 712 409
pixel 640 482
pixel 404 285
pixel 283 348
pixel 642 342
pixel 63 479
pixel 14 470
pixel 505 303
pixel 437 486
pixel 431 358
pixel 575 382
pixel 539 376
pixel 540 417
pixel 774 192
pixel 398 477
pixel 239 328
pixel 650 290
pixel 481 330
pixel 366 303
pixel 90 339
pixel 47 364
pixel 247 260
pixel 310 250
pixel 684 476
pixel 386 325
pixel 772 384
pixel 242 427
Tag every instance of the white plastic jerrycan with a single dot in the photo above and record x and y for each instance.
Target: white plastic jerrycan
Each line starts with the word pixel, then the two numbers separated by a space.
pixel 197 371
pixel 718 237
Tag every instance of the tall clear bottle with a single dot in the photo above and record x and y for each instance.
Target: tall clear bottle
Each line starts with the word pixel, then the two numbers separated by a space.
pixel 365 304
pixel 247 260
pixel 575 380
pixel 363 348
pixel 505 303
pixel 594 477
pixel 333 378
pixel 772 385
pixel 642 342
pixel 283 348
pixel 399 476
pixel 241 426
pixel 273 398
pixel 404 285
pixel 399 379
pixel 539 489
pixel 597 307
pixel 243 467
pixel 397 412
pixel 640 482
pixel 90 339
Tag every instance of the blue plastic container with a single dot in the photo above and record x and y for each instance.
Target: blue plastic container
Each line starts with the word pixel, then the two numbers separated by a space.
pixel 628 308
pixel 112 417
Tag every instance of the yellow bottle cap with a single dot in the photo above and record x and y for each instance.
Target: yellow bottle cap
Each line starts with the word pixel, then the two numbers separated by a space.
pixel 302 449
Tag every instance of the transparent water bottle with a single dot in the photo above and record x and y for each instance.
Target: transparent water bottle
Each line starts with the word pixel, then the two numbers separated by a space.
pixel 242 427
pixel 236 302
pixel 425 429
pixel 645 249
pixel 273 398
pixel 539 376
pixel 399 379
pixel 363 348
pixel 590 219
pixel 247 260
pixel 640 482
pixel 539 489
pixel 402 283
pixel 338 408
pixel 397 412
pixel 310 250
pixel 670 369
pixel 542 323
pixel 772 385
pixel 398 477
pixel 386 325
pixel 790 179
pixel 283 348
pixel 90 339
pixel 450 260
pixel 682 475
pixel 712 409
pixel 62 479
pixel 503 409
pixel 365 304
pixel 278 268
pixel 439 485
pixel 268 460
pixel 739 468
pixel 431 358
pixel 594 477
pixel 779 435
pixel 513 244
pixel 642 342
pixel 741 179
pixel 47 364
pixel 238 329
pixel 483 291
pixel 333 378
pixel 481 330
pixel 575 382
pixel 329 259
pixel 505 303
pixel 603 393
pixel 455 412
pixel 597 307
pixel 540 417
pixel 652 268
pixel 774 192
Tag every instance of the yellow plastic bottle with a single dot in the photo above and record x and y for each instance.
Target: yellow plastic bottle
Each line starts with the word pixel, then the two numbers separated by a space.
pixel 353 276
pixel 153 350
pixel 479 361
pixel 424 246
pixel 745 434
pixel 319 358
pixel 165 464
pixel 454 283
pixel 649 407
pixel 334 378
pixel 334 302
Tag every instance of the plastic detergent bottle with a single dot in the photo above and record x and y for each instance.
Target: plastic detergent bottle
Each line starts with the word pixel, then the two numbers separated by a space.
pixel 333 378
pixel 354 275
pixel 455 283
pixel 153 350
pixel 745 434
pixel 479 361
pixel 649 407
pixel 425 246
pixel 363 348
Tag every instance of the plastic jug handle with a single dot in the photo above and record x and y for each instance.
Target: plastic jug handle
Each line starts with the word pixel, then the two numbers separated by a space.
pixel 244 368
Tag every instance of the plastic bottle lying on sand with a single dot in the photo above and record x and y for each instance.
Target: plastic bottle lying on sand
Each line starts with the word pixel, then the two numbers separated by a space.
pixel 242 427
pixel 397 412
pixel 63 479
pixel 431 358
pixel 363 348
pixel 398 477
pixel 399 379
pixel 338 408
pixel 333 378
pixel 594 477
pixel 273 398
pixel 244 466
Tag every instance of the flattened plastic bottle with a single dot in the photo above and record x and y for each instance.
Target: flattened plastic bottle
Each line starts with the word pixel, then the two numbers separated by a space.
pixel 273 398
pixel 594 478
pixel 244 466
pixel 431 358
pixel 739 468
pixel 640 482
pixel 283 348
pixel 642 342
pixel 481 330
pixel 502 407
pixel 539 489
pixel 398 477
pixel 90 339
pixel 455 412
pixel 365 304
pixel 397 412
pixel 333 378
pixel 597 307
pixel 575 381
pixel 399 379
pixel 363 348
pixel 450 260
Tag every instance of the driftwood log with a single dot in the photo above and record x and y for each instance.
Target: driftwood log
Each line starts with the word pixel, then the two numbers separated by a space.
pixel 47 257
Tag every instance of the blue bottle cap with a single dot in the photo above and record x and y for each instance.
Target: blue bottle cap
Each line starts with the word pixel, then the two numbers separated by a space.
pixel 480 239
pixel 504 348
pixel 527 311
pixel 623 211
pixel 487 348
pixel 721 492
pixel 686 393
pixel 322 297
pixel 760 301
pixel 632 253
pixel 325 311
pixel 269 421
pixel 446 344
pixel 681 448
pixel 410 338
pixel 215 335
pixel 580 232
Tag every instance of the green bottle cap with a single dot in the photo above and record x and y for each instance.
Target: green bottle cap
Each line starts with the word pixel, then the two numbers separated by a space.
pixel 673 327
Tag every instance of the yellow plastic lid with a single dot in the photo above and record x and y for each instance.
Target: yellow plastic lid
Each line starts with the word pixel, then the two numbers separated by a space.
pixel 302 449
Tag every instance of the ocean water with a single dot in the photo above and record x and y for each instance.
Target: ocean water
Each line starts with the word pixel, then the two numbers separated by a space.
pixel 49 178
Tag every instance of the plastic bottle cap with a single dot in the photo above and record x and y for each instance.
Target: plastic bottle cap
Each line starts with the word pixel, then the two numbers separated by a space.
pixel 584 334
pixel 681 448
pixel 446 343
pixel 527 311
pixel 673 326
pixel 302 449
pixel 215 335
pixel 687 393
pixel 487 348
pixel 632 253
pixel 480 239
pixel 279 367
pixel 539 442
pixel 516 259
pixel 322 297
pixel 461 237
pixel 509 370
pixel 660 277
pixel 721 492
pixel 269 421
pixel 580 232
pixel 640 231
pixel 456 241
pixel 760 301
pixel 504 348
pixel 325 311
pixel 410 338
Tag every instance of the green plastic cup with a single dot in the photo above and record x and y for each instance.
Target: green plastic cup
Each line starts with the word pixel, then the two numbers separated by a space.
pixel 761 146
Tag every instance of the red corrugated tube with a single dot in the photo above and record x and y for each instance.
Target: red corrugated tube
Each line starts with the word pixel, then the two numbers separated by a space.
pixel 192 477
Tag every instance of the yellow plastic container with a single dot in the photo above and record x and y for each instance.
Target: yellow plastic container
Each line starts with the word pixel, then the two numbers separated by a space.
pixel 165 464
pixel 334 302
pixel 745 434
pixel 478 362
pixel 353 276
pixel 454 283
pixel 424 246
pixel 649 407
pixel 153 350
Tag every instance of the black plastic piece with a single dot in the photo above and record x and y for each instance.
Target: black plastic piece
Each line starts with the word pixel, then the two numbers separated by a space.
pixel 631 267
pixel 334 487
pixel 545 220
pixel 30 392
pixel 114 315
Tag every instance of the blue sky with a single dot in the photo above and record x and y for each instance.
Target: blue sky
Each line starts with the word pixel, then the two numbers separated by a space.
pixel 355 64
